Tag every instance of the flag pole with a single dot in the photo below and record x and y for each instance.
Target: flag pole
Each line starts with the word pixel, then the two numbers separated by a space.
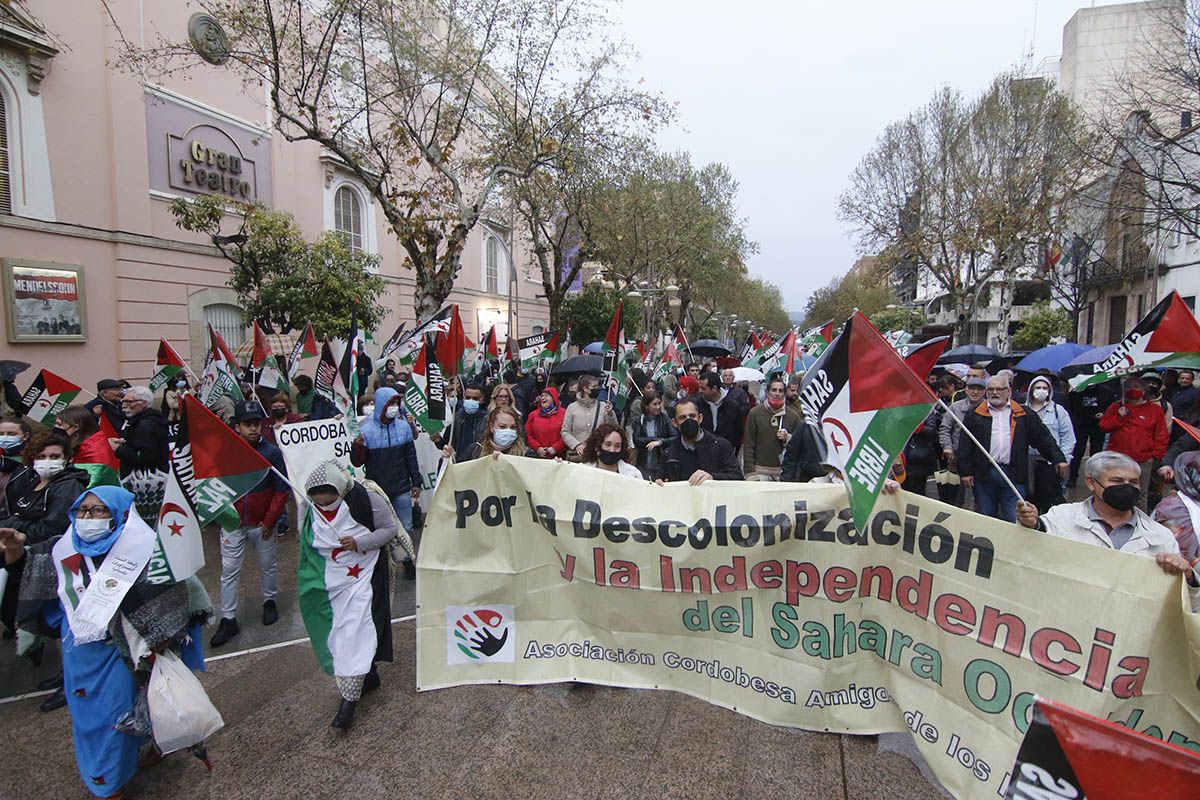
pixel 982 449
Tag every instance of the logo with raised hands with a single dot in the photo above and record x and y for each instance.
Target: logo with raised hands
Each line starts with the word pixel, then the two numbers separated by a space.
pixel 480 634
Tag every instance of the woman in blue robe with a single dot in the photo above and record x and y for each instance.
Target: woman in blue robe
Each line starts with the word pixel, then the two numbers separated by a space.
pixel 101 679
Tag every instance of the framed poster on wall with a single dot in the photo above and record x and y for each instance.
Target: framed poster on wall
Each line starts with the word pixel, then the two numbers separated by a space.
pixel 44 301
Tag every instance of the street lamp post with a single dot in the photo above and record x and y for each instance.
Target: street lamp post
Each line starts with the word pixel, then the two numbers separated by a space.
pixel 512 275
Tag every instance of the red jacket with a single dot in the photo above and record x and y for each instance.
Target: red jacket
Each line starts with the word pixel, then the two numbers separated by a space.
pixel 546 431
pixel 1141 435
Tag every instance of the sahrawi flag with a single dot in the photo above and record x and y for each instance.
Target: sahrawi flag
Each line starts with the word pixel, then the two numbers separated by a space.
pixel 814 340
pixel 670 358
pixel 616 370
pixel 264 362
pixel 305 347
pixel 46 396
pixel 167 365
pixel 538 349
pixel 219 378
pixel 867 402
pixel 1168 336
pixel 210 468
pixel 425 393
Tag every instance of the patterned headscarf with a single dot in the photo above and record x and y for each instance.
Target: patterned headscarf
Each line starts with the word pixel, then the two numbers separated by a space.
pixel 1187 474
pixel 329 473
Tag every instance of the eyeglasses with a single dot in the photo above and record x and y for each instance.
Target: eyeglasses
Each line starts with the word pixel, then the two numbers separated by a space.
pixel 92 512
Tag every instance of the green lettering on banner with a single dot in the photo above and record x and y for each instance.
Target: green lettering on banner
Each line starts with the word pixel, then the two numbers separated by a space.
pixel 930 611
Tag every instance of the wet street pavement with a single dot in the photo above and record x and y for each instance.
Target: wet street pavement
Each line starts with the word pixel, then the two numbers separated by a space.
pixel 554 741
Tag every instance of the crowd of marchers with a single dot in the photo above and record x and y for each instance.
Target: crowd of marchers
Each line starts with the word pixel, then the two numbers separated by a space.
pixel 1121 451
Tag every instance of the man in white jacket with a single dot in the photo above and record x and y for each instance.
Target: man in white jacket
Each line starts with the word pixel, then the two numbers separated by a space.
pixel 1110 518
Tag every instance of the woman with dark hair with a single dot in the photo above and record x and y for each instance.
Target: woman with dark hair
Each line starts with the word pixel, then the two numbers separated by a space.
pixel 651 431
pixel 14 435
pixel 607 448
pixel 501 435
pixel 92 451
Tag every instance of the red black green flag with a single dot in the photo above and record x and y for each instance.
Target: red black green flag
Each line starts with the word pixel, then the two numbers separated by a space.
pixel 867 402
pixel 1168 336
pixel 167 365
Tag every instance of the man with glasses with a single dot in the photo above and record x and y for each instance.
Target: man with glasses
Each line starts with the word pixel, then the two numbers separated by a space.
pixel 1110 517
pixel 1007 430
pixel 144 444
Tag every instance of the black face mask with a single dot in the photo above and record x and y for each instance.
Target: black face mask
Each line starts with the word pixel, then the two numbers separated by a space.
pixel 608 457
pixel 1122 496
pixel 690 428
pixel 279 413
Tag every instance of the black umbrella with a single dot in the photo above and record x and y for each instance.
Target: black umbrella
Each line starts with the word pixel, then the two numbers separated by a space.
pixel 710 347
pixel 578 365
pixel 968 354
pixel 10 369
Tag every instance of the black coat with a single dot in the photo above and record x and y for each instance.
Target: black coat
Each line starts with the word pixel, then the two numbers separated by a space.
pixel 731 419
pixel 665 432
pixel 145 444
pixel 713 454
pixel 115 416
pixel 922 450
pixel 1027 431
pixel 803 455
pixel 44 515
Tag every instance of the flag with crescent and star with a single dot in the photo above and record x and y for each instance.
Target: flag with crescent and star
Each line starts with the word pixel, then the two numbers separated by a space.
pixel 814 340
pixel 46 396
pixel 867 402
pixel 1168 336
pixel 210 468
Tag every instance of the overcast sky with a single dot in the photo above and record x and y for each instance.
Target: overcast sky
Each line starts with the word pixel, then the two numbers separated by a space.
pixel 791 95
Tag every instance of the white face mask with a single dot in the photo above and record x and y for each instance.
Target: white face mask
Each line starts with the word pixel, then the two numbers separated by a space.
pixel 1041 394
pixel 89 530
pixel 391 412
pixel 48 467
pixel 368 409
pixel 330 507
pixel 504 437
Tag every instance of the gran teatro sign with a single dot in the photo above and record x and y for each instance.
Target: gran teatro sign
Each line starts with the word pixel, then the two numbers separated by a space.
pixel 206 160
pixel 194 150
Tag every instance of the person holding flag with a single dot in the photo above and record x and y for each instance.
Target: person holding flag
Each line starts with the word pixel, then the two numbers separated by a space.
pixel 1012 433
pixel 107 647
pixel 258 514
pixel 1137 428
pixel 769 427
pixel 92 452
pixel 343 584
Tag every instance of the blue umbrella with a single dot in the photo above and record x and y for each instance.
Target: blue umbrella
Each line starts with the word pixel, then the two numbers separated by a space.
pixel 1054 357
pixel 595 348
pixel 1092 356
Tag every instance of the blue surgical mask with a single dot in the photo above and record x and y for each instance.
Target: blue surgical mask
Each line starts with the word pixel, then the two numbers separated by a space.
pixel 504 437
pixel 470 406
pixel 10 441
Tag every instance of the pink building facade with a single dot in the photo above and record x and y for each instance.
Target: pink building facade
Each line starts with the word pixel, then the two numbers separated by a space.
pixel 95 269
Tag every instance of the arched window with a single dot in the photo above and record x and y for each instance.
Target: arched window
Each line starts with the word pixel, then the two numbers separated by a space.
pixel 5 171
pixel 538 329
pixel 228 321
pixel 348 217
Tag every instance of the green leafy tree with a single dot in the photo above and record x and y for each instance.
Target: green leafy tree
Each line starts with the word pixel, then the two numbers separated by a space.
pixel 1042 325
pixel 433 106
pixel 281 279
pixel 897 319
pixel 589 313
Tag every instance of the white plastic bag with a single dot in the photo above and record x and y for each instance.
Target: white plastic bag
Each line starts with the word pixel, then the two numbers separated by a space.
pixel 180 711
